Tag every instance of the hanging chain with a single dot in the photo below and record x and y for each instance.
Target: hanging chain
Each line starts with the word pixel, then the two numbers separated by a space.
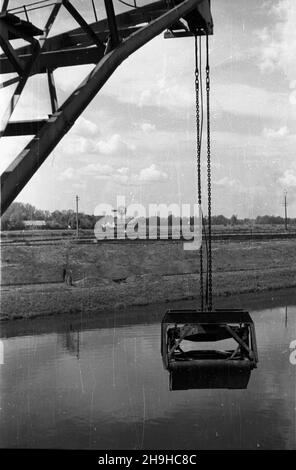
pixel 209 178
pixel 198 164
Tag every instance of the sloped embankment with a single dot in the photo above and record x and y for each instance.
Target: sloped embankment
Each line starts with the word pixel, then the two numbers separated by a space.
pixel 119 274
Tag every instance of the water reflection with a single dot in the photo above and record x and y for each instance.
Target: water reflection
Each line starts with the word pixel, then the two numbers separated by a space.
pixel 116 395
pixel 203 367
pixel 209 377
pixel 71 341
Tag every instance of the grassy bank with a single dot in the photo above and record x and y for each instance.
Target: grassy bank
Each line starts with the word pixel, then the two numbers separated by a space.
pixel 109 275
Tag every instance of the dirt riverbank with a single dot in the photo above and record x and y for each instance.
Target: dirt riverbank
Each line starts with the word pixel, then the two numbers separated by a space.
pixel 124 274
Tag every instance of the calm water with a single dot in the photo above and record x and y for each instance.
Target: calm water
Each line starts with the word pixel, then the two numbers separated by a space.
pixel 85 382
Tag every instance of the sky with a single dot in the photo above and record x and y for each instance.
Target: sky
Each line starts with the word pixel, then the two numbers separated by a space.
pixel 137 137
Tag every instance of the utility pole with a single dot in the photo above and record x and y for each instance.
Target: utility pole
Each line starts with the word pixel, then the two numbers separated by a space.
pixel 286 218
pixel 77 221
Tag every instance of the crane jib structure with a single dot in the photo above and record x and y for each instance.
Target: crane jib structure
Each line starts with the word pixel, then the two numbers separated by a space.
pixel 105 43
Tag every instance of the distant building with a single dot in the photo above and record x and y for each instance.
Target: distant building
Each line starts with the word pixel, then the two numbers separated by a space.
pixel 34 224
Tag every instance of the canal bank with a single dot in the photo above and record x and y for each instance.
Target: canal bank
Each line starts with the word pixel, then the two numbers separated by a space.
pixel 118 275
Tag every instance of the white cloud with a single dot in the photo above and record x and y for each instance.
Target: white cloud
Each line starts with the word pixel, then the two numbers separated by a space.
pixel 85 127
pixel 288 180
pixel 276 133
pixel 168 93
pixel 230 183
pixel 279 41
pixel 152 174
pixel 97 170
pixel 176 94
pixel 121 175
pixel 112 145
pixel 147 127
pixel 75 144
pixel 67 174
pixel 225 181
pixel 247 100
pixel 68 79
pixel 10 147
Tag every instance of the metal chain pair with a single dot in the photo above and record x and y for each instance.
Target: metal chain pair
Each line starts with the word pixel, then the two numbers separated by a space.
pixel 198 161
pixel 209 177
pixel 198 165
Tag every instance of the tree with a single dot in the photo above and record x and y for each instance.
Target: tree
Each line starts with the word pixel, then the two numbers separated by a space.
pixel 233 219
pixel 220 220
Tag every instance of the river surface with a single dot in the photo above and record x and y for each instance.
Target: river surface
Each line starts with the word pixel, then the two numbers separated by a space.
pixel 98 382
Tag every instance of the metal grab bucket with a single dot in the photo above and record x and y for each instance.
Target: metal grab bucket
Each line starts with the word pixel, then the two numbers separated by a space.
pixel 205 374
pixel 208 368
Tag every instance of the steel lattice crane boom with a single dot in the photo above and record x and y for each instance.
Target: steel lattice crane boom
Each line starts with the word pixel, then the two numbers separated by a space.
pixel 106 43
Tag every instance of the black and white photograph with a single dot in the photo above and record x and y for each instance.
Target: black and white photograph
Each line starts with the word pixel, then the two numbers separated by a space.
pixel 148 231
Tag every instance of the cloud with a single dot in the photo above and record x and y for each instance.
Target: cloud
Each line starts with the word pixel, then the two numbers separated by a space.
pixel 230 183
pixel 67 174
pixel 112 145
pixel 147 127
pixel 10 148
pixel 121 175
pixel 288 180
pixel 278 133
pixel 246 100
pixel 225 181
pixel 168 93
pixel 78 142
pixel 76 145
pixel 152 174
pixel 278 42
pixel 68 82
pixel 85 127
pixel 287 183
pixel 176 94
pixel 95 170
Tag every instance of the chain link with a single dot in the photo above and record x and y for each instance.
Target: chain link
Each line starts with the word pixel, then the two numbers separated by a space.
pixel 209 178
pixel 198 162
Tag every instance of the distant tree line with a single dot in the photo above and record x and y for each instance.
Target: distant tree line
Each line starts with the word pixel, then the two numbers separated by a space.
pixel 18 213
